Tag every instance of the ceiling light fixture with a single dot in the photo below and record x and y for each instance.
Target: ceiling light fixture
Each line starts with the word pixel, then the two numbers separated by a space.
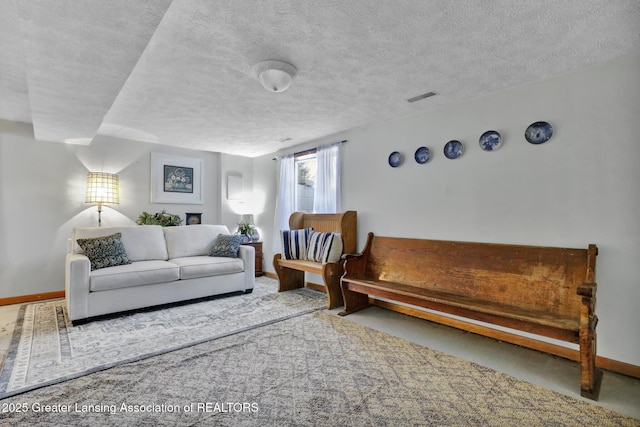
pixel 275 76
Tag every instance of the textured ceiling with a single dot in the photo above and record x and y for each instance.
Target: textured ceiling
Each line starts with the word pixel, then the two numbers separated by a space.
pixel 181 72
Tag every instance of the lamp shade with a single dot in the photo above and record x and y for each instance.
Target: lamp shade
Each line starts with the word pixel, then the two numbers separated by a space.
pixel 102 188
pixel 246 219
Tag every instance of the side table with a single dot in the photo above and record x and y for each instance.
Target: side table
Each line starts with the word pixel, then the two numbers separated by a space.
pixel 258 248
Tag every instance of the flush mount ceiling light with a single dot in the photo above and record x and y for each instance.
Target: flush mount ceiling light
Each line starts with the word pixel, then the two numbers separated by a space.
pixel 275 76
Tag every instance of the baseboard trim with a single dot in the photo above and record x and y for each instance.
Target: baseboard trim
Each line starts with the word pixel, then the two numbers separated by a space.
pixel 271 275
pixel 618 367
pixel 557 350
pixel 31 298
pixel 316 287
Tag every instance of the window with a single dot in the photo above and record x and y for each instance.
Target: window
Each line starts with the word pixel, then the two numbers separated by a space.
pixel 305 170
pixel 308 182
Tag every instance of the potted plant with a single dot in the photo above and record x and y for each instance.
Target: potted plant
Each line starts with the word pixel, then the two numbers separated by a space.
pixel 159 218
pixel 245 229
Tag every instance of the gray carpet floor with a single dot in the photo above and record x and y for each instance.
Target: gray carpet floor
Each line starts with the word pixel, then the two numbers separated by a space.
pixel 46 348
pixel 313 370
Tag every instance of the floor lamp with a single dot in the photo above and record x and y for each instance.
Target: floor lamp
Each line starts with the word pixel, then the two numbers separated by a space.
pixel 102 188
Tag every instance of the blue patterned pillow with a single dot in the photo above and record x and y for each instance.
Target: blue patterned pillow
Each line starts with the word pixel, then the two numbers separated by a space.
pixel 107 251
pixel 227 245
pixel 295 243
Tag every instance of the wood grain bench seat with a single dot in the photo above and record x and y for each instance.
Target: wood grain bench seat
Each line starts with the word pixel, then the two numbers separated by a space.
pixel 291 272
pixel 541 290
pixel 302 265
pixel 518 318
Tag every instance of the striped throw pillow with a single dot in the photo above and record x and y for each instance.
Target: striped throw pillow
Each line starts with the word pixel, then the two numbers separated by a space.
pixel 324 247
pixel 295 243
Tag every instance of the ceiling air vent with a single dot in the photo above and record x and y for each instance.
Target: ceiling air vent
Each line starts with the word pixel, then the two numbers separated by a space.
pixel 423 96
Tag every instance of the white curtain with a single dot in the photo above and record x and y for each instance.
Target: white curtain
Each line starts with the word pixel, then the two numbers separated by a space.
pixel 286 201
pixel 327 197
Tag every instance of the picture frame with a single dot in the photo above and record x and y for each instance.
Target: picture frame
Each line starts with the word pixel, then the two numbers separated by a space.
pixel 193 218
pixel 234 187
pixel 176 179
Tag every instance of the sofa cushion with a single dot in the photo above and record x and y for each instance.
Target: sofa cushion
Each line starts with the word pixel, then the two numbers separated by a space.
pixel 192 240
pixel 142 242
pixel 204 266
pixel 295 243
pixel 106 251
pixel 227 245
pixel 135 274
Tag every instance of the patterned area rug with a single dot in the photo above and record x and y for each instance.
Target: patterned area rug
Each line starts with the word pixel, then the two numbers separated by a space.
pixel 46 348
pixel 312 370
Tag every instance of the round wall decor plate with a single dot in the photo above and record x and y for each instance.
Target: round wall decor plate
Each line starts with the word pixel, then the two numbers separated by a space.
pixel 490 140
pixel 538 133
pixel 395 159
pixel 422 155
pixel 453 149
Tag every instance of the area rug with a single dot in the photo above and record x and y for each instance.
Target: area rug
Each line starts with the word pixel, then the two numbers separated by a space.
pixel 312 370
pixel 46 348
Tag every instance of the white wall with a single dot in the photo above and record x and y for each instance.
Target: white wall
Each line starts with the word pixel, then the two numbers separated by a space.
pixel 42 199
pixel 265 176
pixel 231 210
pixel 581 187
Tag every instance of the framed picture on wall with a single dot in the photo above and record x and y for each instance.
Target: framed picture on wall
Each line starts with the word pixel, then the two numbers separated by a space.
pixel 234 187
pixel 176 179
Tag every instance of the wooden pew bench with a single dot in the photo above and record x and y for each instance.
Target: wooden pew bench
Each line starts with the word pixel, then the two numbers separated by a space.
pixel 541 290
pixel 291 272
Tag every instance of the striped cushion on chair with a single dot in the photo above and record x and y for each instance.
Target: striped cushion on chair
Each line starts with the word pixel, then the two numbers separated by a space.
pixel 295 243
pixel 324 247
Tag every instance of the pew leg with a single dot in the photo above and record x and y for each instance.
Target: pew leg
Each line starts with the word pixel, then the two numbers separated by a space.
pixel 353 301
pixel 590 376
pixel 288 279
pixel 331 273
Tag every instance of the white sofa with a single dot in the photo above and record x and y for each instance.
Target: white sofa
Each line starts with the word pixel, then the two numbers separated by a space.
pixel 168 264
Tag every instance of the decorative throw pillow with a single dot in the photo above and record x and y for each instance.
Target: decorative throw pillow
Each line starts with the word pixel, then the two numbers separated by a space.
pixel 295 243
pixel 227 245
pixel 106 251
pixel 333 249
pixel 317 240
pixel 324 247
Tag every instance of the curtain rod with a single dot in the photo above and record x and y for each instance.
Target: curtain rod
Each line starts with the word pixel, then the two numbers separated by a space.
pixel 311 149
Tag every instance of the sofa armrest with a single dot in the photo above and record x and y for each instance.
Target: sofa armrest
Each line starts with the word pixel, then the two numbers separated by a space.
pixel 248 255
pixel 77 280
